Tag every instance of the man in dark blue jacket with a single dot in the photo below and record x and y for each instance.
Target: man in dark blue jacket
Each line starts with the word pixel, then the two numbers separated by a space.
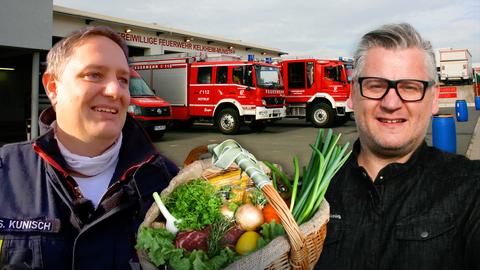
pixel 74 197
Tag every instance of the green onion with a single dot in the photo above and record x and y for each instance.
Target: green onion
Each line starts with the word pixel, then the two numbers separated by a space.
pixel 274 180
pixel 295 182
pixel 326 159
pixel 283 176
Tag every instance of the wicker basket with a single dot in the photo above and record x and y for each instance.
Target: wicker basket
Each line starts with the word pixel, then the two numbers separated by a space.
pixel 284 252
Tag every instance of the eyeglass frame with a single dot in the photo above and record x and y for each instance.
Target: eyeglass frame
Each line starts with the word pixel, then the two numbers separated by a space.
pixel 394 84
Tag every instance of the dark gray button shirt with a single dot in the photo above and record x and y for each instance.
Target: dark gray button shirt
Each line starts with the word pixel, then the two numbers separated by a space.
pixel 423 214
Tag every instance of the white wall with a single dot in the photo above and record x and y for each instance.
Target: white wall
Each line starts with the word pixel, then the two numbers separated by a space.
pixel 26 23
pixel 62 25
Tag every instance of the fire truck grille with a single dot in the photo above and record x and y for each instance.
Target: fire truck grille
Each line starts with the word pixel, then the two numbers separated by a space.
pixel 274 100
pixel 157 111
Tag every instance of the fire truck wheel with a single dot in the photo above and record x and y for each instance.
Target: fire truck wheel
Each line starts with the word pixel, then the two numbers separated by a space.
pixel 258 126
pixel 322 115
pixel 351 116
pixel 228 121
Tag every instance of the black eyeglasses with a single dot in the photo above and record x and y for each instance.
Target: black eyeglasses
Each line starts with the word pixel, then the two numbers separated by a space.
pixel 407 89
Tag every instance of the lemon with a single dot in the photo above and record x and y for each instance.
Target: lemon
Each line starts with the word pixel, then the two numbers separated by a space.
pixel 247 242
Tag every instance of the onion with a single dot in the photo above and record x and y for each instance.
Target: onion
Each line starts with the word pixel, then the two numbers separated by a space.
pixel 249 217
pixel 226 211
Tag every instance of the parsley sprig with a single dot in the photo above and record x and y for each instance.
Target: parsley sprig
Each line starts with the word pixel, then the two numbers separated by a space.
pixel 195 203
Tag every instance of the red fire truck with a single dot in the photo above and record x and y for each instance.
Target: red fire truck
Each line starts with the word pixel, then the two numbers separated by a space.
pixel 152 112
pixel 317 90
pixel 222 89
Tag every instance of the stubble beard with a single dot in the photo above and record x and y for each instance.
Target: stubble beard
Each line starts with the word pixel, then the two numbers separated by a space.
pixel 381 148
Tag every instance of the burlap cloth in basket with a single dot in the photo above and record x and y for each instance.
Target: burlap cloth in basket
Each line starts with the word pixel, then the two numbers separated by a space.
pixel 272 256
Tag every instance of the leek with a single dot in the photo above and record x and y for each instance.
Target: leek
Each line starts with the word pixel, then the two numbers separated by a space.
pixel 326 160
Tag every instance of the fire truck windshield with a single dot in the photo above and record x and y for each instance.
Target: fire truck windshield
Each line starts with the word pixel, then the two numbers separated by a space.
pixel 138 88
pixel 268 77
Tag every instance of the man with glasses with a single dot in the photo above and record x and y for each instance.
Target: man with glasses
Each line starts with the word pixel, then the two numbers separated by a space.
pixel 398 203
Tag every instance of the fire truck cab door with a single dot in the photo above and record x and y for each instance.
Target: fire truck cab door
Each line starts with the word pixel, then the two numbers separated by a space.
pixel 201 94
pixel 241 86
pixel 332 79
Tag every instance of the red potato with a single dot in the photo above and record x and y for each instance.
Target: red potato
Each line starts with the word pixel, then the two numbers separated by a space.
pixel 231 237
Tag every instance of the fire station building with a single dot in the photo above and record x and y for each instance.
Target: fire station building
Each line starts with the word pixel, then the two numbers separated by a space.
pixel 28 29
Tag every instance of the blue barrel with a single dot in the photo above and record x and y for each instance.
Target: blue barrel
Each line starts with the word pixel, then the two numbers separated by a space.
pixel 477 103
pixel 251 57
pixel 461 110
pixel 444 134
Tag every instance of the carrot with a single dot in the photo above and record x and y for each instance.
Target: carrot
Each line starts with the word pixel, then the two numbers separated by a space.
pixel 270 214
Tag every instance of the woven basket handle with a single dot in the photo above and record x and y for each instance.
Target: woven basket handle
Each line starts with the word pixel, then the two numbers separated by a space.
pixel 229 151
pixel 195 154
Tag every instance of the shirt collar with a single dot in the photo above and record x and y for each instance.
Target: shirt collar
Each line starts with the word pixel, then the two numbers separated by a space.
pixel 392 168
pixel 136 147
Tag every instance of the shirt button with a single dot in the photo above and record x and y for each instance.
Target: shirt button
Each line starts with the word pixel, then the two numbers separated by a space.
pixel 381 177
pixel 424 234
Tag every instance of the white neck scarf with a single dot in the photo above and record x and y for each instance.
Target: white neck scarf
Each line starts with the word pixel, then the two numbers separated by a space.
pixel 91 166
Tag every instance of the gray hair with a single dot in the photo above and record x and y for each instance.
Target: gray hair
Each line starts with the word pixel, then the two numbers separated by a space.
pixel 394 36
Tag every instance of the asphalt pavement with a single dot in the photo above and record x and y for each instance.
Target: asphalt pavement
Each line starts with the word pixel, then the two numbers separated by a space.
pixel 291 137
pixel 473 151
pixel 286 138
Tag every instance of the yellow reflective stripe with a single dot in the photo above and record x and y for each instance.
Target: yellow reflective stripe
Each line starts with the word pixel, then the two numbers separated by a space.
pixel 1 245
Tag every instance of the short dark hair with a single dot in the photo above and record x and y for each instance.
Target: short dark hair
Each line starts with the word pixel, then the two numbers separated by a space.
pixel 60 53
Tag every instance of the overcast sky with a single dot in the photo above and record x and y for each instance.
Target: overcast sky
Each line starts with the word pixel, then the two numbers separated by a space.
pixel 324 29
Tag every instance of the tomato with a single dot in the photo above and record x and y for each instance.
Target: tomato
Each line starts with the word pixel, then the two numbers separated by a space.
pixel 269 214
pixel 247 242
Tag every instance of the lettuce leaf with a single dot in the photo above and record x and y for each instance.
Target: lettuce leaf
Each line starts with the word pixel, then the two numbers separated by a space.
pixel 269 232
pixel 161 250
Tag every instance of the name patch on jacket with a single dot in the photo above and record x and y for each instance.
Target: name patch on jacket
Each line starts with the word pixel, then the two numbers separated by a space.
pixel 30 225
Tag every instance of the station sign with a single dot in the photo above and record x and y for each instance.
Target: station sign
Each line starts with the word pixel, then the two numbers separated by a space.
pixel 151 40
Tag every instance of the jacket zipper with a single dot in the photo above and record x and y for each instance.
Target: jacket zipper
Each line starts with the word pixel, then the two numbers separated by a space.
pixel 114 186
pixel 111 212
pixel 78 194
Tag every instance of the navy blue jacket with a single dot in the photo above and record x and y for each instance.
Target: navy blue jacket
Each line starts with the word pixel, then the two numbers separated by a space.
pixel 45 223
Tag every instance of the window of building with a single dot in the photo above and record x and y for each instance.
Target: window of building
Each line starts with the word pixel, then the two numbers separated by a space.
pixel 135 51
